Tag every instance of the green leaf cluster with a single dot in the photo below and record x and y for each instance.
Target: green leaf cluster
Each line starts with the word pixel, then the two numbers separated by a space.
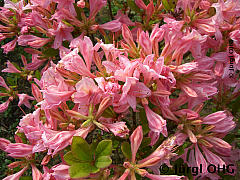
pixel 85 159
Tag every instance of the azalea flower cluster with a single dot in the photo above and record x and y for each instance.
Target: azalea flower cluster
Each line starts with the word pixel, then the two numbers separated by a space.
pixel 136 81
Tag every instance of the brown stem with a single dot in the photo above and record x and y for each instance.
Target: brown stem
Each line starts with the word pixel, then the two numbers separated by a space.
pixel 110 9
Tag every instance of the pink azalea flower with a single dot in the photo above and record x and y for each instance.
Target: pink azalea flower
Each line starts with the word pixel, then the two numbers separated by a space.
pixel 61 32
pixel 55 141
pixel 144 41
pixel 18 150
pixel 43 3
pixel 136 139
pixel 16 175
pixel 11 68
pixel 81 3
pixel 87 91
pixel 113 26
pixel 24 99
pixel 141 4
pixel 61 172
pixel 36 174
pixel 3 84
pixel 4 106
pixel 67 4
pixel 86 49
pixel 33 41
pixel 4 143
pixel 124 19
pixel 36 63
pixel 9 46
pixel 54 96
pixel 73 62
pixel 156 122
pixel 95 6
pixel 118 129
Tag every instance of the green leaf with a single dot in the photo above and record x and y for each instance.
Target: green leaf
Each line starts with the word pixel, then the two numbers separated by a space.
pixel 166 5
pixel 133 6
pixel 93 147
pixel 126 149
pixel 145 142
pixel 109 113
pixel 26 178
pixel 104 148
pixel 70 158
pixel 80 170
pixel 50 52
pixel 37 74
pixel 81 149
pixel 78 11
pixel 103 161
pixel 144 121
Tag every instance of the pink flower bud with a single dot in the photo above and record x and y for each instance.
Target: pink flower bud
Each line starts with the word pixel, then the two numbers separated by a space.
pixel 141 4
pixel 136 139
pixel 127 36
pixel 4 106
pixel 15 164
pixel 45 160
pixel 81 3
pixel 105 103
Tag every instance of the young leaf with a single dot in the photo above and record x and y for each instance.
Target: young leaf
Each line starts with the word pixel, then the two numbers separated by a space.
pixel 104 148
pixel 79 170
pixel 81 149
pixel 70 159
pixel 103 161
pixel 126 149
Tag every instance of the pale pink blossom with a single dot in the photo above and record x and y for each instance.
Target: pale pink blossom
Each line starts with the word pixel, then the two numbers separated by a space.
pixel 156 122
pixel 4 106
pixel 144 41
pixel 17 175
pixel 11 68
pixel 4 143
pixel 81 3
pixel 36 174
pixel 36 63
pixel 86 91
pixel 3 84
pixel 95 6
pixel 24 99
pixel 66 4
pixel 32 41
pixel 61 32
pixel 18 150
pixel 55 141
pixel 73 62
pixel 9 46
pixel 113 26
pixel 118 129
